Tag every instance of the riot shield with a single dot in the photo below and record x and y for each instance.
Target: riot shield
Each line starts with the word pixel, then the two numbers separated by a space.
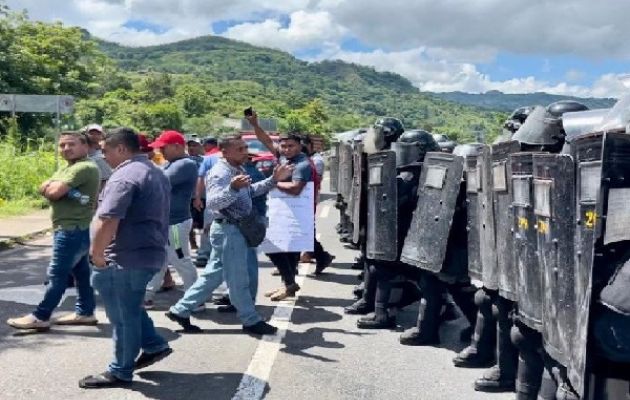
pixel 358 192
pixel 554 206
pixel 487 235
pixel 333 167
pixel 603 217
pixel 345 170
pixel 503 216
pixel 382 207
pixel 473 204
pixel 438 191
pixel 525 242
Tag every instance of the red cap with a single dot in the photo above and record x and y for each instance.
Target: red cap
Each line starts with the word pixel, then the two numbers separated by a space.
pixel 168 137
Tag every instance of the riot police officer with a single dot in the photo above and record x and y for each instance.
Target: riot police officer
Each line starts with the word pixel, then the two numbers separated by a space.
pixel 409 152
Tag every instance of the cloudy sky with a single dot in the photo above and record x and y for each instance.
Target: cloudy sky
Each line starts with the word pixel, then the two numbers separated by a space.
pixel 576 47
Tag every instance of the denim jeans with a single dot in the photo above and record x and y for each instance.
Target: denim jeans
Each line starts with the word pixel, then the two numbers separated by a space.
pixel 230 259
pixel 69 257
pixel 209 280
pixel 122 290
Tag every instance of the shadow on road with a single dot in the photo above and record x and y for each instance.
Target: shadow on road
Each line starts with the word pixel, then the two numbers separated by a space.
pixel 167 385
pixel 297 343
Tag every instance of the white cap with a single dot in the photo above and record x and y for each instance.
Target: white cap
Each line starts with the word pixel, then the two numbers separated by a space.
pixel 94 127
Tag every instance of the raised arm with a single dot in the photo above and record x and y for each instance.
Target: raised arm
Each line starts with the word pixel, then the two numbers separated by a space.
pixel 262 135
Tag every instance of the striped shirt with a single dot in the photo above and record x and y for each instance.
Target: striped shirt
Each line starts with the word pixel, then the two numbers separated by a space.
pixel 224 201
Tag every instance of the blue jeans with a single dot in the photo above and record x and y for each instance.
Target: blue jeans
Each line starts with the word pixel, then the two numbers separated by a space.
pixel 69 257
pixel 122 290
pixel 233 261
pixel 209 280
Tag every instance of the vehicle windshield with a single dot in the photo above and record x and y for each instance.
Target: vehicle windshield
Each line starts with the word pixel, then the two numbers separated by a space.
pixel 255 146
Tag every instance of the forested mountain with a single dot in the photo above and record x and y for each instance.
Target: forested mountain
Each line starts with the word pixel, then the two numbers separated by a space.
pixel 235 74
pixel 499 101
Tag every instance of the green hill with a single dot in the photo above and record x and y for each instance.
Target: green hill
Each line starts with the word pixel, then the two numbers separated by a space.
pixel 236 74
pixel 499 101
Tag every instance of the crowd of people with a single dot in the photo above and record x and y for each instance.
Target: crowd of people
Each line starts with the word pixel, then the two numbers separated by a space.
pixel 125 209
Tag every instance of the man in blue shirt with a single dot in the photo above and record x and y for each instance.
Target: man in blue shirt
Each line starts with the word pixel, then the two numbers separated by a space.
pixel 128 247
pixel 181 172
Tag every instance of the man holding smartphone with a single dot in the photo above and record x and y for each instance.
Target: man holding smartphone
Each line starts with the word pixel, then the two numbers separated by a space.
pixel 289 152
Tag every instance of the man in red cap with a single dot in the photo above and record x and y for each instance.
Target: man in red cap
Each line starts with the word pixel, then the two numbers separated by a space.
pixel 182 174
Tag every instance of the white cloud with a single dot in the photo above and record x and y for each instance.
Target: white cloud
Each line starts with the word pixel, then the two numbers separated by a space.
pixel 304 30
pixel 437 45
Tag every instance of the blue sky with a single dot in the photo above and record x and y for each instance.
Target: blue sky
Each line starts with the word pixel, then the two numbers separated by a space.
pixel 575 47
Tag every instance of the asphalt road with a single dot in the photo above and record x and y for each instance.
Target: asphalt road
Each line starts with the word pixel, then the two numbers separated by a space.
pixel 319 353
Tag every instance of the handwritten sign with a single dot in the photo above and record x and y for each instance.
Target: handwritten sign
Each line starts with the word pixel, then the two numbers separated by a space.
pixel 291 221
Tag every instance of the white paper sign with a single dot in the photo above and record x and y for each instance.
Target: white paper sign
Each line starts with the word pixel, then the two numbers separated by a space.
pixel 291 221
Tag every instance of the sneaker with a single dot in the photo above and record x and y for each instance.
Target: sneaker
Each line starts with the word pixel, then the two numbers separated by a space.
pixel 184 322
pixel 328 259
pixel 147 359
pixel 222 301
pixel 226 309
pixel 272 292
pixel 285 292
pixel 76 319
pixel 148 305
pixel 261 328
pixel 29 322
pixel 275 272
pixel 103 380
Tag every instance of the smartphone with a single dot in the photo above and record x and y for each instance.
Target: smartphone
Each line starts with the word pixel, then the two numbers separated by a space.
pixel 248 112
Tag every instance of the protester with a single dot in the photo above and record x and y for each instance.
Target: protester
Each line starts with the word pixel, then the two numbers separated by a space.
pixel 322 257
pixel 72 194
pixel 182 174
pixel 290 152
pixel 195 153
pixel 128 247
pixel 94 134
pixel 229 197
pixel 199 202
pixel 210 146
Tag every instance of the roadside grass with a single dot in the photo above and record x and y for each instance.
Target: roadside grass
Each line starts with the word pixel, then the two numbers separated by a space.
pixel 21 173
pixel 16 208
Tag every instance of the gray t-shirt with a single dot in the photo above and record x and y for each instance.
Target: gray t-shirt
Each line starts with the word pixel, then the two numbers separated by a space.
pixel 303 171
pixel 137 193
pixel 105 170
pixel 182 174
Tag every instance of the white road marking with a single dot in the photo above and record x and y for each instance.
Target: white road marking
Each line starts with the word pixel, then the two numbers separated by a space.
pixel 252 386
pixel 325 210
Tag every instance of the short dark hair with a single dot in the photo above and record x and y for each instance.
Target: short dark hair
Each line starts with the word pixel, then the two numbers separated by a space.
pixel 125 136
pixel 227 141
pixel 293 135
pixel 76 134
pixel 210 141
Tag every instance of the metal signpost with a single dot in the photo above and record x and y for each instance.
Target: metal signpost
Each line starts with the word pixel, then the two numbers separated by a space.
pixel 26 103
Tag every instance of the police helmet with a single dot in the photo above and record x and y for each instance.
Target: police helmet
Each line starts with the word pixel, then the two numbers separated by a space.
pixel 422 142
pixel 390 128
pixel 563 106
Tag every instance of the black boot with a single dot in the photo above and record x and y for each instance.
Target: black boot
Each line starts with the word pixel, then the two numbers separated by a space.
pixel 359 307
pixel 379 320
pixel 426 331
pixel 481 352
pixel 501 377
pixel 493 382
pixel 530 362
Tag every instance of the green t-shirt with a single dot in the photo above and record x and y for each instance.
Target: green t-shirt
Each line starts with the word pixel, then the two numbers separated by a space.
pixel 68 213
